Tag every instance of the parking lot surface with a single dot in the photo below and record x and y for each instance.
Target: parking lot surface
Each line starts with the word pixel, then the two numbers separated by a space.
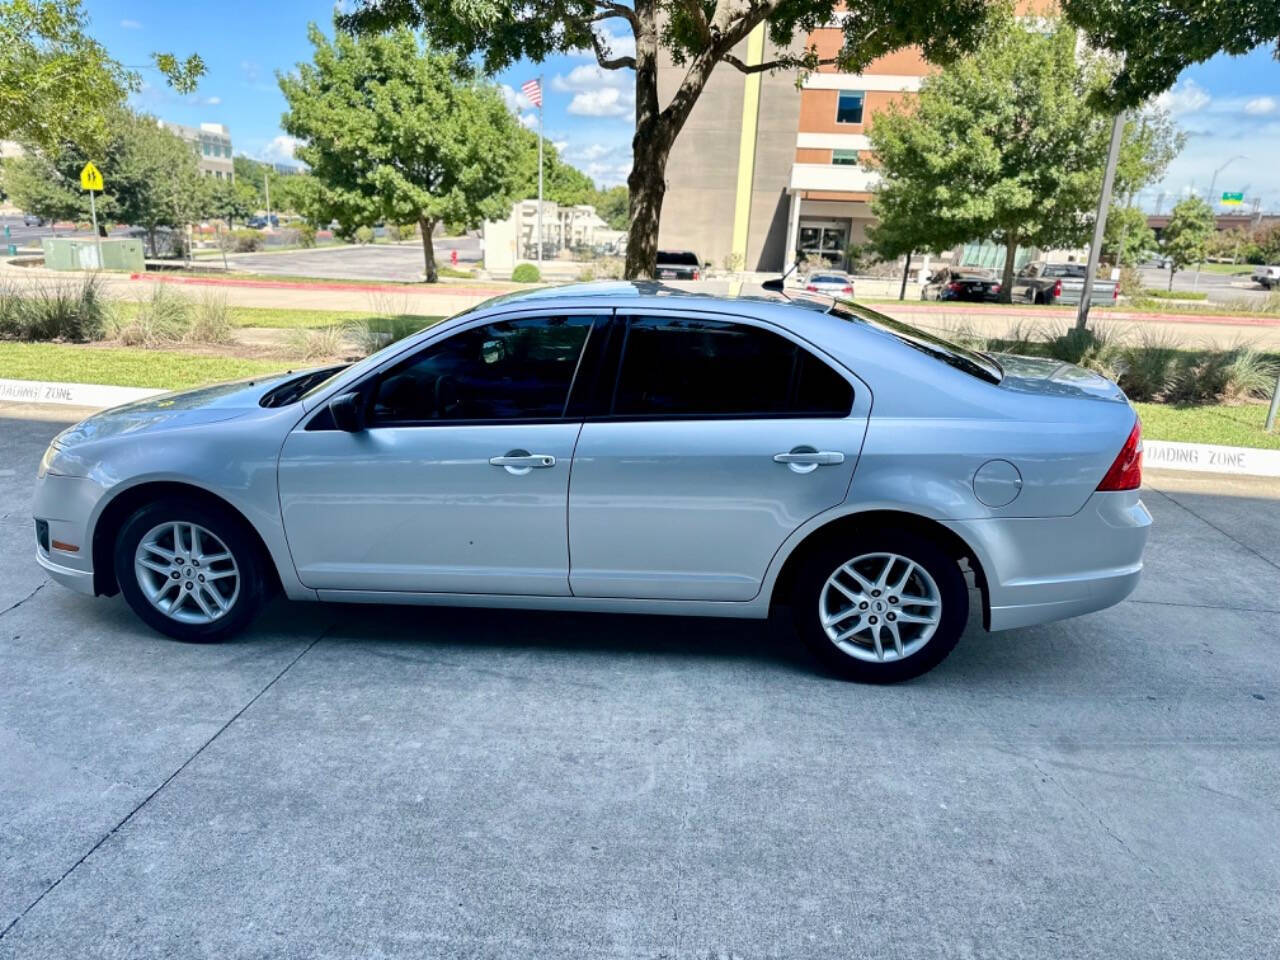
pixel 370 782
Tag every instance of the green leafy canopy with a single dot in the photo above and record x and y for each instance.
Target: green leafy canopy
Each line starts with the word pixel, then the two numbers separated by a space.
pixel 395 131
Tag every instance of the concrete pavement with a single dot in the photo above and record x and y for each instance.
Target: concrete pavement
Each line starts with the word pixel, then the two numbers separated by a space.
pixel 415 782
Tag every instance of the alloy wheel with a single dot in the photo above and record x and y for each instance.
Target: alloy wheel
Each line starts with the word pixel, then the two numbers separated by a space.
pixel 187 572
pixel 880 607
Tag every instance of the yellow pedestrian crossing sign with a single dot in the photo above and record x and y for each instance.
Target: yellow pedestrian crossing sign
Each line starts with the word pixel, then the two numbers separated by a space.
pixel 90 178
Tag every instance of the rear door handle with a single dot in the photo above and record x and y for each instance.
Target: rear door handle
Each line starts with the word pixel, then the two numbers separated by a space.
pixel 520 462
pixel 816 458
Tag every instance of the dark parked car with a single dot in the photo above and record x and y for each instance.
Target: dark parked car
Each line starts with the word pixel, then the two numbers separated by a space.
pixel 679 265
pixel 961 283
pixel 31 220
pixel 260 223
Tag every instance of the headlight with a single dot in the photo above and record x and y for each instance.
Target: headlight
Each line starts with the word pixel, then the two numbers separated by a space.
pixel 46 460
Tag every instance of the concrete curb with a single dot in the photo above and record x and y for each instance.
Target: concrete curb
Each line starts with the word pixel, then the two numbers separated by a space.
pixel 1157 454
pixel 73 394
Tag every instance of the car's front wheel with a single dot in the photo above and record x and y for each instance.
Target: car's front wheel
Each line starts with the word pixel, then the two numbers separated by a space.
pixel 190 570
pixel 880 607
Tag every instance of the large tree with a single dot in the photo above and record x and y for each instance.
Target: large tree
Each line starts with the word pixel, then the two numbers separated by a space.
pixel 1005 145
pixel 58 84
pixel 1160 38
pixel 697 35
pixel 398 132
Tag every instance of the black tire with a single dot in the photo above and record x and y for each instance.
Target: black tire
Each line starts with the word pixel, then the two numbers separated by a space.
pixel 825 559
pixel 238 539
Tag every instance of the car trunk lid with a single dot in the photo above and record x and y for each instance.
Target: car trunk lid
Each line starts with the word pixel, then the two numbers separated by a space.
pixel 1056 378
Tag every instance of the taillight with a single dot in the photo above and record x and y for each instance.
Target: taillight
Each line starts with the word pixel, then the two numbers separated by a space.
pixel 1057 289
pixel 695 275
pixel 1126 471
pixel 1115 292
pixel 811 288
pixel 995 288
pixel 846 289
pixel 954 287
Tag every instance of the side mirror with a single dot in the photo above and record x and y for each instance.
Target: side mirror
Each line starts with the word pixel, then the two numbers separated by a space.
pixel 347 411
pixel 706 265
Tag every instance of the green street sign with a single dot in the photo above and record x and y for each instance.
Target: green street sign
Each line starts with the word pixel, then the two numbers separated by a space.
pixel 1232 199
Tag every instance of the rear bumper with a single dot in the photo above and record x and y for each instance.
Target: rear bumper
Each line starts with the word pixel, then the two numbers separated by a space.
pixel 1039 570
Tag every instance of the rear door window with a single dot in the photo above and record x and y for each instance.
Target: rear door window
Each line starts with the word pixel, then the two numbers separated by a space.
pixel 687 367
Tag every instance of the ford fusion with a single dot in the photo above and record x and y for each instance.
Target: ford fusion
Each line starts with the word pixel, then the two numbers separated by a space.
pixel 623 447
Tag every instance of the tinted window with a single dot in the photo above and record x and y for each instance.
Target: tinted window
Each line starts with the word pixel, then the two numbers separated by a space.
pixel 680 258
pixel 684 367
pixel 1065 270
pixel 844 158
pixel 512 370
pixel 849 109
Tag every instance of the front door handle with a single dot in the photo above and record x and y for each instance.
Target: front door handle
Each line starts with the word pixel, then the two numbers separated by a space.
pixel 520 462
pixel 817 458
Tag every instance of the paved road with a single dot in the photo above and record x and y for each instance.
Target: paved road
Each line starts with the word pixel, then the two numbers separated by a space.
pixel 1220 288
pixel 395 262
pixel 413 782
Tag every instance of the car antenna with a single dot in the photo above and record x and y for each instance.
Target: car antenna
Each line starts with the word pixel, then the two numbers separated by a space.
pixel 775 285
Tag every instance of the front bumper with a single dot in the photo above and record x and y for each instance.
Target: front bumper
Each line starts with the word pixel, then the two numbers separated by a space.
pixel 1039 570
pixel 65 551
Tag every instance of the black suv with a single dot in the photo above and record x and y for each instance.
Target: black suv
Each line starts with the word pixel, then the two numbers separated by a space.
pixel 679 265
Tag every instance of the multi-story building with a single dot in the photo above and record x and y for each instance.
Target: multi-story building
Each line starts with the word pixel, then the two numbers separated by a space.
pixel 763 167
pixel 212 143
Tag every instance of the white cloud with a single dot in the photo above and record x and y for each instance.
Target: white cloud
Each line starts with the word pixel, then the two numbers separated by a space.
pixel 609 102
pixel 281 148
pixel 529 119
pixel 130 25
pixel 1183 98
pixel 212 101
pixel 1260 106
pixel 607 164
pixel 514 99
pixel 590 76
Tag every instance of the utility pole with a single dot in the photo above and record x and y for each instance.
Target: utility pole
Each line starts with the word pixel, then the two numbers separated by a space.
pixel 539 170
pixel 1100 222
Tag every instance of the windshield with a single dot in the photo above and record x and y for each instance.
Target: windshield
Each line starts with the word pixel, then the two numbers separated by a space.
pixel 980 365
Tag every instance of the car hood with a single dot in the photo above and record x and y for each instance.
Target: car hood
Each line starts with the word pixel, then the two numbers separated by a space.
pixel 1044 377
pixel 186 408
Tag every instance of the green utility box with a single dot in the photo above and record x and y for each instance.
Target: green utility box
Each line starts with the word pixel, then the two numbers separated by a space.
pixel 81 253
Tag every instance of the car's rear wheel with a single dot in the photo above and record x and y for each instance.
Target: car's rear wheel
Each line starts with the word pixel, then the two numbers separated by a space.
pixel 880 607
pixel 190 570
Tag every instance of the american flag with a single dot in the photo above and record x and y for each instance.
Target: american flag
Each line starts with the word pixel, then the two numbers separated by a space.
pixel 533 90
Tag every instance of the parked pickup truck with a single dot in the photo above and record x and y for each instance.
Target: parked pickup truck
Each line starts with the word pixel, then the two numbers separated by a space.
pixel 1266 277
pixel 1040 282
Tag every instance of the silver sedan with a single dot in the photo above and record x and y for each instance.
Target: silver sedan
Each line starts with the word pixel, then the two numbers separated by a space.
pixel 620 447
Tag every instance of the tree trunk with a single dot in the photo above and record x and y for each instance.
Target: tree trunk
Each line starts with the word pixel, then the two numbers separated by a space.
pixel 429 274
pixel 906 270
pixel 656 131
pixel 1006 279
pixel 1172 268
pixel 151 239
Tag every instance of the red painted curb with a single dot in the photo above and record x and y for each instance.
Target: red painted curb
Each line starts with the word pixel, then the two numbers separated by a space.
pixel 429 289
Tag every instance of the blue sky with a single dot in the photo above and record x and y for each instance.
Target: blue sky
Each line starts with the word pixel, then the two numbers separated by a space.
pixel 1228 106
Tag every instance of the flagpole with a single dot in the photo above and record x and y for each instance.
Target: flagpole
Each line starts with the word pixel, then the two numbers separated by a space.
pixel 539 168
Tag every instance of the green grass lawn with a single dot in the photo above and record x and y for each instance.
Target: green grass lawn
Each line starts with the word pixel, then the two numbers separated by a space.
pixel 126 367
pixel 1230 269
pixel 1239 426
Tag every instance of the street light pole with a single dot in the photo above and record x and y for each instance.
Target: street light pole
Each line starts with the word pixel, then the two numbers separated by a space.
pixel 1213 207
pixel 1100 222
